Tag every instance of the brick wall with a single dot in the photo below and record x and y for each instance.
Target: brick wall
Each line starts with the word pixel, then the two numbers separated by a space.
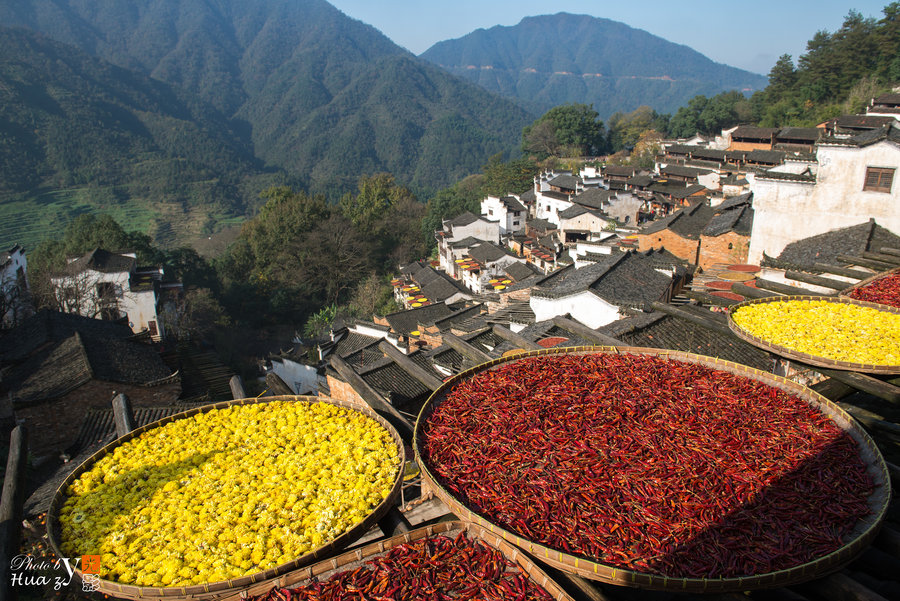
pixel 54 425
pixel 683 248
pixel 342 391
pixel 716 249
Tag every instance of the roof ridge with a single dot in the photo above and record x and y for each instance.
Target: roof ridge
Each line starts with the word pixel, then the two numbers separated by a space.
pixel 83 352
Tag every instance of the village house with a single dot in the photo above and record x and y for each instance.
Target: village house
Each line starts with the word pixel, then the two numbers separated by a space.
pixel 112 286
pixel 678 233
pixel 726 238
pixel 508 211
pixel 886 105
pixel 854 182
pixel 58 366
pixel 460 233
pixel 603 292
pixel 753 138
pixel 15 298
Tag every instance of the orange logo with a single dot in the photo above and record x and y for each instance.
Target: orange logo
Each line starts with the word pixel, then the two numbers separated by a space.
pixel 90 564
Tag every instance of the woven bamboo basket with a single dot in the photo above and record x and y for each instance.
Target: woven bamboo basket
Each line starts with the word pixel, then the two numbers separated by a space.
pixel 216 590
pixel 848 291
pixel 359 556
pixel 806 357
pixel 860 537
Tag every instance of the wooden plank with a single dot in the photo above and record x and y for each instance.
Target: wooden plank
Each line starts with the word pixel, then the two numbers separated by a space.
pixel 784 288
pixel 844 271
pixel 11 502
pixel 464 348
pixel 122 415
pixel 876 265
pixel 840 587
pixel 378 403
pixel 570 325
pixel 874 386
pixel 516 339
pixel 884 258
pixel 817 280
pixel 871 420
pixel 237 387
pixel 750 291
pixel 709 299
pixel 276 385
pixel 430 381
pixel 887 250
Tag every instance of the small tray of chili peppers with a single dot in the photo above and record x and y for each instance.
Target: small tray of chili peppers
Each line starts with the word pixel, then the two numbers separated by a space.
pixel 655 469
pixel 447 561
pixel 882 288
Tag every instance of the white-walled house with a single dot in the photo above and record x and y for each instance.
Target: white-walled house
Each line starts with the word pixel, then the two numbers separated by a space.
pixel 459 229
pixel 111 286
pixel 855 181
pixel 507 211
pixel 15 302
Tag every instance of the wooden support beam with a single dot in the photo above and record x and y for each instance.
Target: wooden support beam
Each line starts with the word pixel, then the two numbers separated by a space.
pixel 833 390
pixel 123 415
pixel 844 271
pixel 750 292
pixel 237 387
pixel 840 587
pixel 570 325
pixel 514 338
pixel 871 420
pixel 394 523
pixel 378 403
pixel 277 386
pixel 709 299
pixel 876 265
pixel 706 322
pixel 464 348
pixel 884 258
pixel 887 250
pixel 430 381
pixel 784 288
pixel 817 280
pixel 874 386
pixel 11 502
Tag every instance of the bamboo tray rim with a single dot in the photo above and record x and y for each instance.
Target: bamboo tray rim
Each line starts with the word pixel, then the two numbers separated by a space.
pixel 808 358
pixel 212 590
pixel 350 559
pixel 862 535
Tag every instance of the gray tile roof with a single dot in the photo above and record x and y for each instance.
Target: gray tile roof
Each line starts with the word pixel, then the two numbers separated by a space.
pixel 824 248
pixel 801 134
pixel 512 204
pixel 770 157
pixel 887 99
pixel 566 182
pixel 620 170
pixel 520 270
pixel 736 218
pixel 441 288
pixel 680 171
pixel 573 211
pixel 540 224
pixel 594 198
pixel 103 261
pixel 754 133
pixel 687 223
pixel 487 252
pixel 465 242
pixel 404 322
pixel 466 218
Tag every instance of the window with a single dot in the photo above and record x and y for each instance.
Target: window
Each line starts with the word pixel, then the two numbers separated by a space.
pixel 730 245
pixel 879 179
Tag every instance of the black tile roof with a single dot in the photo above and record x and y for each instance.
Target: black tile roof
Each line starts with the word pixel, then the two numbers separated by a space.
pixel 445 323
pixel 861 121
pixel 708 153
pixel 887 99
pixel 540 224
pixel 639 181
pixel 688 222
pixel 487 252
pixel 768 157
pixel 620 170
pixel 528 196
pixel 658 330
pixel 512 203
pixel 103 261
pixel 745 132
pixel 573 211
pixel 404 322
pixel 466 218
pixel 413 268
pixel 626 279
pixel 442 288
pixel 555 195
pixel 680 171
pixel 520 270
pixel 350 342
pixel 825 248
pixel 594 198
pixel 738 219
pixel 801 134
pixel 402 389
pixel 681 149
pixel 566 182
pixel 787 177
pixel 466 242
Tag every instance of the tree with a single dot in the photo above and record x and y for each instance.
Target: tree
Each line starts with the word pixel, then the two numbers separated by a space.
pixel 782 78
pixel 375 196
pixel 197 314
pixel 575 127
pixel 648 146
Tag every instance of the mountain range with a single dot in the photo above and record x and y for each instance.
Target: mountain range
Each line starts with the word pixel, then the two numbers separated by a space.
pixel 550 60
pixel 173 114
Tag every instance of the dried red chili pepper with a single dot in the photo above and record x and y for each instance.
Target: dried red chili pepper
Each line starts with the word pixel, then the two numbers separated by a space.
pixel 884 290
pixel 432 568
pixel 650 464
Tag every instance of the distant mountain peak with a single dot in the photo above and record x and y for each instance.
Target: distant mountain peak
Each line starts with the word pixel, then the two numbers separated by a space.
pixel 548 60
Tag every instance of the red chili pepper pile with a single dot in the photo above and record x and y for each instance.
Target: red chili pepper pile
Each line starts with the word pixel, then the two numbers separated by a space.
pixel 650 464
pixel 885 290
pixel 436 568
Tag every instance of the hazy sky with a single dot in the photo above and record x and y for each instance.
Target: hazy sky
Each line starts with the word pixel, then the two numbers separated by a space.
pixel 750 35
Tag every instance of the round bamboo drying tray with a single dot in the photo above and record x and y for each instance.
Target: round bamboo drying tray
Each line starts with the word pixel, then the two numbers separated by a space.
pixel 848 291
pixel 359 556
pixel 806 357
pixel 216 590
pixel 860 537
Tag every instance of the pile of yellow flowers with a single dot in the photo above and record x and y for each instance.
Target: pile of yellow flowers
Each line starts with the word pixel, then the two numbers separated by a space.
pixel 229 492
pixel 837 331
